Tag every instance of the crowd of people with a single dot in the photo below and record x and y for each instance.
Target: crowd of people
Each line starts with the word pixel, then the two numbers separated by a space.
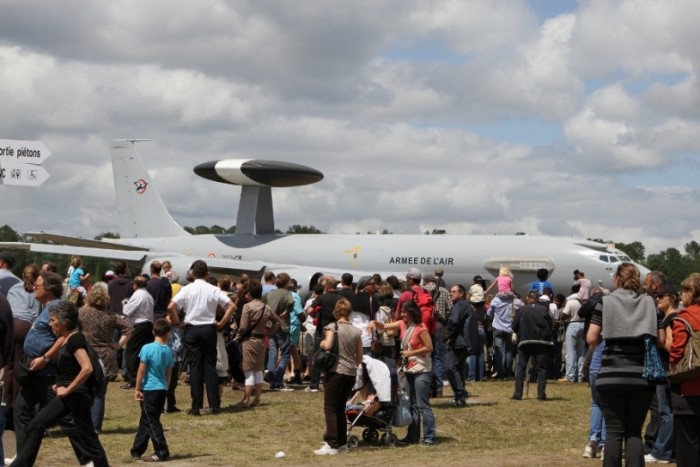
pixel 430 335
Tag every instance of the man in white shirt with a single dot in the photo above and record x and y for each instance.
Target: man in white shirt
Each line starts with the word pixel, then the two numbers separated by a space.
pixel 199 301
pixel 138 311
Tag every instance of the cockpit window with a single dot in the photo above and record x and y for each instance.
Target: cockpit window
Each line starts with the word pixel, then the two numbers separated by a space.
pixel 613 259
pixel 624 258
pixel 603 258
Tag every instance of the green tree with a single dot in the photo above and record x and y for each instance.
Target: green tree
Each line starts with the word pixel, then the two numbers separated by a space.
pixel 107 235
pixel 303 229
pixel 436 232
pixel 692 249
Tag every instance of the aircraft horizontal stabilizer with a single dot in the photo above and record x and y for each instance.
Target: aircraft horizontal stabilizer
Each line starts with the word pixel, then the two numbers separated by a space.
pixel 76 250
pixel 83 242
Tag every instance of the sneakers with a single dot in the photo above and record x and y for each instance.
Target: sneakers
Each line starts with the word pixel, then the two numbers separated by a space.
pixel 650 459
pixel 10 460
pixel 327 450
pixel 310 389
pixel 590 450
pixel 283 389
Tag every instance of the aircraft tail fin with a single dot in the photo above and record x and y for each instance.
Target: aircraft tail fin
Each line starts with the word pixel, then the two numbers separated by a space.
pixel 141 211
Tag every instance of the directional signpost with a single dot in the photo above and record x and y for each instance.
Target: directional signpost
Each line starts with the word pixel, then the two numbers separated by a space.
pixel 20 162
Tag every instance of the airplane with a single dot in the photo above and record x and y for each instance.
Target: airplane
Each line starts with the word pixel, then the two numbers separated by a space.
pixel 148 232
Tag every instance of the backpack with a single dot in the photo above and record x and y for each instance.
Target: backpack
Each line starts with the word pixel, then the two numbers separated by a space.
pixel 97 377
pixel 427 307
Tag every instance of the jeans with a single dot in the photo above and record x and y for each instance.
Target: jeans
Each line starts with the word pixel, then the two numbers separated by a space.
pixel 419 395
pixel 475 363
pixel 540 356
pixel 454 366
pixel 279 343
pixel 663 447
pixel 336 391
pixel 596 430
pixel 97 412
pixel 76 404
pixel 200 351
pixel 150 427
pixel 624 413
pixel 575 351
pixel 502 353
pixel 437 356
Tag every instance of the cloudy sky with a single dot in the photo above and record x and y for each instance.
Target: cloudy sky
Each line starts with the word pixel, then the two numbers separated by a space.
pixel 479 117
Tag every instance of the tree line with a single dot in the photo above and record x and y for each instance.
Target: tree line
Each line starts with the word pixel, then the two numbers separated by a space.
pixel 676 265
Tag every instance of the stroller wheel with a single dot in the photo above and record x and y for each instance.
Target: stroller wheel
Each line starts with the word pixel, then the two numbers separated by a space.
pixel 391 439
pixel 370 435
pixel 353 441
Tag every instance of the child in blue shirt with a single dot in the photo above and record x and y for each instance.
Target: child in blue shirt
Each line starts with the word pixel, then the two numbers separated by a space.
pixel 152 381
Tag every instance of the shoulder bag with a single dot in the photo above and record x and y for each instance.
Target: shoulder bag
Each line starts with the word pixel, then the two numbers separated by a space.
pixel 688 367
pixel 325 360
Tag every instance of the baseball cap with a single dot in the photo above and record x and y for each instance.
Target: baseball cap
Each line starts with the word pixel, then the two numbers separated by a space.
pixel 414 273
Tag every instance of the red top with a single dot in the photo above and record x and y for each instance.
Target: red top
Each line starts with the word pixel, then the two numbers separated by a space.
pixel 680 337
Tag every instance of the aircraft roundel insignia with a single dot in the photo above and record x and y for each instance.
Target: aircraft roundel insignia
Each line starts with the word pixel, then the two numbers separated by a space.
pixel 212 255
pixel 141 185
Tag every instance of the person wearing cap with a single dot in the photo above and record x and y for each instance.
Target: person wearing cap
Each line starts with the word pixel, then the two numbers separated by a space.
pixel 534 329
pixel 413 278
pixel 7 278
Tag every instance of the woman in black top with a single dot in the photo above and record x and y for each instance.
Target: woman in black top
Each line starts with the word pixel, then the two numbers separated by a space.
pixel 73 397
pixel 625 318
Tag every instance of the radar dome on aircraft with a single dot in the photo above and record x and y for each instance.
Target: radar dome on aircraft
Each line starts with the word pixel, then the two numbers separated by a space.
pixel 255 172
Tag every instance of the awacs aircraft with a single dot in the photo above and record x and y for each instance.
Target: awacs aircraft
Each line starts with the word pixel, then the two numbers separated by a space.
pixel 148 232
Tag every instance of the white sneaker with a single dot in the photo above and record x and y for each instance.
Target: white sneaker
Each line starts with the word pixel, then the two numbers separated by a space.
pixel 89 464
pixel 649 459
pixel 10 460
pixel 310 389
pixel 326 450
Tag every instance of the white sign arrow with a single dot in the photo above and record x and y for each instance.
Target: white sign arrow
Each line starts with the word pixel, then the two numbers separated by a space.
pixel 18 174
pixel 30 152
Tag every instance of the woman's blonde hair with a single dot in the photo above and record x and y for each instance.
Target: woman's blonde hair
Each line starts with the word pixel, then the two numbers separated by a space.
pixel 98 298
pixel 628 274
pixel 505 271
pixel 342 308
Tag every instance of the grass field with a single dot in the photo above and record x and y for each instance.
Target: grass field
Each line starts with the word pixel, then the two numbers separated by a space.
pixel 491 431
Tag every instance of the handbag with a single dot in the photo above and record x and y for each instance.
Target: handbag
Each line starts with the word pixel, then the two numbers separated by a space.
pixel 325 360
pixel 654 371
pixel 688 367
pixel 402 411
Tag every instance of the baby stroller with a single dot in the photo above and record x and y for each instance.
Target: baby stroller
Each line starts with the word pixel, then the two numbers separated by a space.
pixel 372 405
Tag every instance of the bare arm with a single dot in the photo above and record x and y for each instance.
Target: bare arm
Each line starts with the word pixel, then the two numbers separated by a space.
pixel 40 362
pixel 594 335
pixel 327 342
pixel 230 308
pixel 138 393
